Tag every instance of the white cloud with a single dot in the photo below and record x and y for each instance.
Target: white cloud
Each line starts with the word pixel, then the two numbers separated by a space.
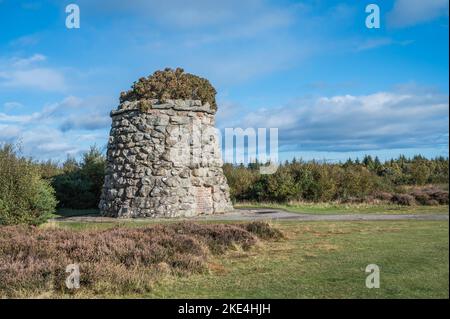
pixel 46 142
pixel 374 43
pixel 384 120
pixel 8 133
pixel 180 14
pixel 86 122
pixel 408 13
pixel 26 40
pixel 12 105
pixel 5 118
pixel 67 127
pixel 23 73
pixel 71 109
pixel 360 44
pixel 247 28
pixel 236 67
pixel 24 62
pixel 49 113
pixel 39 78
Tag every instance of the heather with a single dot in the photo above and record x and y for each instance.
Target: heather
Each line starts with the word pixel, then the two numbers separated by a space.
pixel 116 260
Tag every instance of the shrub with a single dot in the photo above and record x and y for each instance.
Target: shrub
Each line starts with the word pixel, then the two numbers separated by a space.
pixel 25 197
pixel 306 179
pixel 403 199
pixel 241 181
pixel 421 197
pixel 420 172
pixel 438 195
pixel 262 230
pixel 430 196
pixel 384 196
pixel 172 84
pixel 431 202
pixel 74 190
pixel 352 181
pixel 281 185
pixel 80 185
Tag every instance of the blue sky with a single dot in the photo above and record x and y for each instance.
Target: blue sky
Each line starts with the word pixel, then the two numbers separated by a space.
pixel 333 87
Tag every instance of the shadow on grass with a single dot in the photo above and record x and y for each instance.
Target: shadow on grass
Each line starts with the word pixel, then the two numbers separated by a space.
pixel 67 212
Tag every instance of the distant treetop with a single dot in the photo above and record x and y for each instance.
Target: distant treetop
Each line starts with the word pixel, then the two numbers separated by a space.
pixel 172 84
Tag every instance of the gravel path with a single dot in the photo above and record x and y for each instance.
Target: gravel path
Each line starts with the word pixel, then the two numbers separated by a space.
pixel 274 214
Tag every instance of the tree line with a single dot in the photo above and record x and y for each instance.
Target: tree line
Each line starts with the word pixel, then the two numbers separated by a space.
pixel 322 182
pixel 31 190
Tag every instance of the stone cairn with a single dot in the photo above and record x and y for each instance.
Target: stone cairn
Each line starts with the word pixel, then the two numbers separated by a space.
pixel 164 160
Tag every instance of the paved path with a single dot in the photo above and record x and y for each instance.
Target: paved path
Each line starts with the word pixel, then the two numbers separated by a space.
pixel 274 214
pixel 261 214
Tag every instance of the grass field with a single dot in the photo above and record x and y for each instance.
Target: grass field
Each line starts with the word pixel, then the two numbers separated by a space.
pixel 327 260
pixel 335 208
pixel 321 260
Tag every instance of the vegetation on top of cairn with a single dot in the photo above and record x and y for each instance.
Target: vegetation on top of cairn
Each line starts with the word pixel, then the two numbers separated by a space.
pixel 172 84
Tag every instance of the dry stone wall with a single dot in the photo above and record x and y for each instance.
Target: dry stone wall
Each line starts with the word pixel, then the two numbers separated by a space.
pixel 164 160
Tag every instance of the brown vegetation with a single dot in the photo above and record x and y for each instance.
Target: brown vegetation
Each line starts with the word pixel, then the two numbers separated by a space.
pixel 118 260
pixel 430 196
pixel 403 199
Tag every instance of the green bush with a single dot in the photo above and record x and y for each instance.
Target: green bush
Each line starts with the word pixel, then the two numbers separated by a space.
pixel 357 182
pixel 80 185
pixel 25 197
pixel 281 186
pixel 241 181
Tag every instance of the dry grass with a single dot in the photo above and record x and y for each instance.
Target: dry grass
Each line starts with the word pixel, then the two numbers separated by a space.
pixel 114 261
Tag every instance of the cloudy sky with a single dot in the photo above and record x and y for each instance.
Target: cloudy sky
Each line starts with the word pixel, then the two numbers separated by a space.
pixel 332 87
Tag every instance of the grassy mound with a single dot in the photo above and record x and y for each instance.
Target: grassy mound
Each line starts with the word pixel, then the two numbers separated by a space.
pixel 117 260
pixel 172 84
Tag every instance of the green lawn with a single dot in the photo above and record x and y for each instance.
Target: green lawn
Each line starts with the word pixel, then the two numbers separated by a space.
pixel 327 260
pixel 334 208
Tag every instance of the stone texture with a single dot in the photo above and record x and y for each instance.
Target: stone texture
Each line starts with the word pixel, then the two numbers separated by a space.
pixel 164 161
